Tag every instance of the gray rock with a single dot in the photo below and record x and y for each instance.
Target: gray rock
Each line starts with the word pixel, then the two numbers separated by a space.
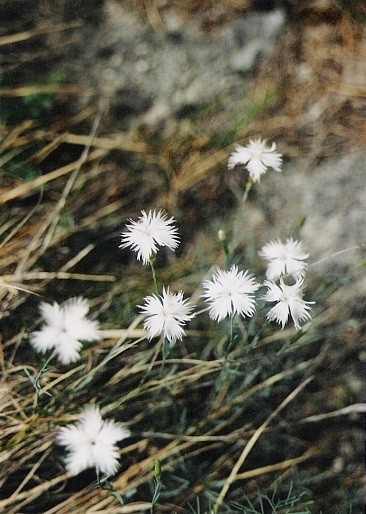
pixel 256 35
pixel 181 70
pixel 331 197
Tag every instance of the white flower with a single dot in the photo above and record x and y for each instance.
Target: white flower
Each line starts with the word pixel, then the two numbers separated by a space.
pixel 66 326
pixel 166 315
pixel 230 292
pixel 289 301
pixel 284 258
pixel 257 157
pixel 152 230
pixel 91 442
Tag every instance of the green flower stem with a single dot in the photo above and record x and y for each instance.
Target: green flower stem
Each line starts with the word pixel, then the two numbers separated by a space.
pixel 154 275
pixel 157 484
pixel 231 337
pixel 105 484
pixel 165 352
pixel 36 381
pixel 238 223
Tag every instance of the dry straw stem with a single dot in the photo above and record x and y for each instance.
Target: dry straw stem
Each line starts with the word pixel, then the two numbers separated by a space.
pixel 279 466
pixel 131 508
pixel 30 495
pixel 81 502
pixel 252 441
pixel 355 408
pixel 113 142
pixel 154 17
pixel 56 275
pixel 28 34
pixel 177 382
pixel 124 509
pixel 66 89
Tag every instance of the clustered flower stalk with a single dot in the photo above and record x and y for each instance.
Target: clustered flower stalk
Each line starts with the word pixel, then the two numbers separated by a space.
pixel 91 442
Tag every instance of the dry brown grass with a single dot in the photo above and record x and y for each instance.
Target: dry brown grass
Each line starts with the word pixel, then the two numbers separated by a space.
pixel 227 443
